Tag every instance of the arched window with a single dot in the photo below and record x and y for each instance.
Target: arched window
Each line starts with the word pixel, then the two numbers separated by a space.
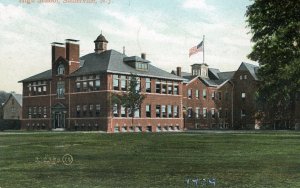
pixel 61 69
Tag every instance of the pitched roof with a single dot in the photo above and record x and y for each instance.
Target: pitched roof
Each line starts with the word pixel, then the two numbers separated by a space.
pixel 18 98
pixel 251 68
pixel 46 75
pixel 113 62
pixel 213 73
pixel 226 75
pixel 109 61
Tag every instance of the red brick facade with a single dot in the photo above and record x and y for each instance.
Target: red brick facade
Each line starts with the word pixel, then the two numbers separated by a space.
pixel 62 99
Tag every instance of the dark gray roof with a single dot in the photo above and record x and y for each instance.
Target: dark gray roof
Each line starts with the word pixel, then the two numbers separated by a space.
pixel 135 59
pixel 113 62
pixel 251 68
pixel 213 73
pixel 101 38
pixel 46 75
pixel 226 75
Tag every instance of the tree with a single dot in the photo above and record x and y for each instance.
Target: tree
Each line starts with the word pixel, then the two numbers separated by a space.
pixel 132 98
pixel 275 26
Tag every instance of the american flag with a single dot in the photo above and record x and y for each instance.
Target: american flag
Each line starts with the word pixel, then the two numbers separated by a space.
pixel 196 49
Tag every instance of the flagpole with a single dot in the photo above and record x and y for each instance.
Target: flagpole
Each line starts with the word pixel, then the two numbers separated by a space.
pixel 203 48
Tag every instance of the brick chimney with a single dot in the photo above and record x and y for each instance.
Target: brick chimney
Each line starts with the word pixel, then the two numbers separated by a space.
pixel 72 54
pixel 58 50
pixel 178 71
pixel 143 55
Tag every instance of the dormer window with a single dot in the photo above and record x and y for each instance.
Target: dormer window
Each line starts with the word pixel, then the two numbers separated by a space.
pixel 141 66
pixel 60 69
pixel 137 63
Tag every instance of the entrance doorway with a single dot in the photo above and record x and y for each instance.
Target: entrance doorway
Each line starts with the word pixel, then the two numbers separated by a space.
pixel 59 120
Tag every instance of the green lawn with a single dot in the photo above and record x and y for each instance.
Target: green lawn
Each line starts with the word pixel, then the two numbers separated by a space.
pixel 234 159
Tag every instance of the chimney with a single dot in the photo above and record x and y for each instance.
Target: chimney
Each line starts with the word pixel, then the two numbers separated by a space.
pixel 72 54
pixel 143 55
pixel 72 50
pixel 58 50
pixel 178 71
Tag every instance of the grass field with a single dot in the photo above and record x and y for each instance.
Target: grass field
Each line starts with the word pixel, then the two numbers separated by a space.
pixel 233 159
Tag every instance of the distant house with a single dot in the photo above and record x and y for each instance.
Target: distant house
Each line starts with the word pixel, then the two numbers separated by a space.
pixel 12 108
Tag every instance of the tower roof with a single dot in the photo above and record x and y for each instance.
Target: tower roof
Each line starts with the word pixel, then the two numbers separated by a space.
pixel 101 38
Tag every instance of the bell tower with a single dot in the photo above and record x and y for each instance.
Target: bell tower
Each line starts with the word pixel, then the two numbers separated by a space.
pixel 100 44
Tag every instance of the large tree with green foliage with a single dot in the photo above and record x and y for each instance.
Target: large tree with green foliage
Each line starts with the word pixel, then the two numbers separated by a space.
pixel 132 99
pixel 275 25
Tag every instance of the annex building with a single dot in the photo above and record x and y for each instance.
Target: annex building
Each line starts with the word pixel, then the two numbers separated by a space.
pixel 76 93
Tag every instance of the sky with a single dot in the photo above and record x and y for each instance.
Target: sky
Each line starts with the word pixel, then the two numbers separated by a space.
pixel 163 29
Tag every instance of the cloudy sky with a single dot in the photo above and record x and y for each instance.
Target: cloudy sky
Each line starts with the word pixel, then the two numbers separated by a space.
pixel 164 29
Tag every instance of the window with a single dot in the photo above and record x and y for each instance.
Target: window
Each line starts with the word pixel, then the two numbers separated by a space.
pixel 91 110
pixel 137 113
pixel 163 111
pixel 169 111
pixel 213 113
pixel 204 112
pixel 164 87
pixel 158 86
pixel 175 88
pixel 123 83
pixel 78 110
pixel 226 113
pixel 175 112
pixel 138 86
pixel 213 95
pixel 148 110
pixel 45 111
pixel 116 82
pixel 115 110
pixel 44 88
pixel 245 76
pixel 61 69
pixel 189 112
pixel 241 77
pixel 29 110
pixel 40 110
pixel 197 94
pixel 91 85
pixel 197 112
pixel 148 85
pixel 170 88
pixel 220 95
pixel 84 86
pixel 78 86
pixel 243 95
pixel 123 111
pixel 220 113
pixel 243 112
pixel 39 89
pixel 97 85
pixel 189 93
pixel 60 89
pixel 29 87
pixel 84 109
pixel 98 107
pixel 157 110
pixel 204 93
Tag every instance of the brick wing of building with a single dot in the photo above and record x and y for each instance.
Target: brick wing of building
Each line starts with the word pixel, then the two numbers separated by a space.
pixel 219 100
pixel 76 94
